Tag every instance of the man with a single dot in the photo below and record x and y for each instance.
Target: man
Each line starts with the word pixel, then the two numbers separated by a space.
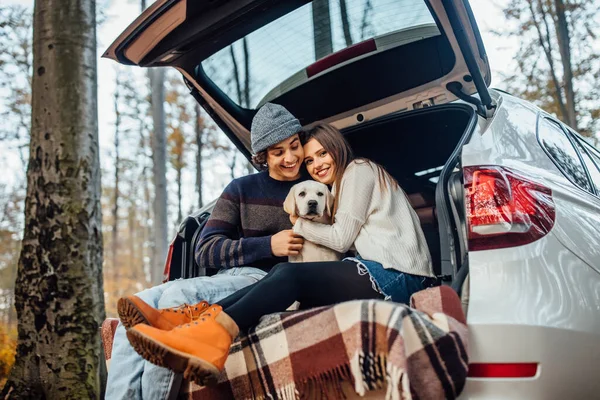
pixel 247 234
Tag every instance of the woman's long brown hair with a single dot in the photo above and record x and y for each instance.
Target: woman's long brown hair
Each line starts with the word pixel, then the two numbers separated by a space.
pixel 337 146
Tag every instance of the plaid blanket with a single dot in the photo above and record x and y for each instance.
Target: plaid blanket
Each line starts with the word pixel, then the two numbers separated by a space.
pixel 408 353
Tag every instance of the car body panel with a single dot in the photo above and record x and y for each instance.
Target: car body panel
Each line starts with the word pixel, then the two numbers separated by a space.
pixel 538 302
pixel 542 284
pixel 578 221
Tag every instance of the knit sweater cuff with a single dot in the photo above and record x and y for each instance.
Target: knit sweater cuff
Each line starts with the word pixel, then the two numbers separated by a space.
pixel 257 248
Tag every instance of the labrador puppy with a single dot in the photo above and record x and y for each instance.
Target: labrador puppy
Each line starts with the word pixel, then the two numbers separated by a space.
pixel 311 200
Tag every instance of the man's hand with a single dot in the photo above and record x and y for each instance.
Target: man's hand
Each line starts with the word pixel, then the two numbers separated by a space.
pixel 286 243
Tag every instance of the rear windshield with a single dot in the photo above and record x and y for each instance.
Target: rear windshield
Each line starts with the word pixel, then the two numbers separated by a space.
pixel 273 59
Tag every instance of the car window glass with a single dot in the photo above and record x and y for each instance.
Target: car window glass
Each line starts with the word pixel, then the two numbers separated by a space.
pixel 593 166
pixel 273 59
pixel 562 152
pixel 593 152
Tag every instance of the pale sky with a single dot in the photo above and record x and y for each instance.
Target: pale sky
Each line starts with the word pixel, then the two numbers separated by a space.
pixel 120 13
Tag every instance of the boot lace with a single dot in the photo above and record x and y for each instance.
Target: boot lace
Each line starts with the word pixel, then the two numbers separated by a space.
pixel 190 310
pixel 197 319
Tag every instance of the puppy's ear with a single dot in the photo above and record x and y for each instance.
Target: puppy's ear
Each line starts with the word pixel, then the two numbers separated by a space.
pixel 329 202
pixel 289 205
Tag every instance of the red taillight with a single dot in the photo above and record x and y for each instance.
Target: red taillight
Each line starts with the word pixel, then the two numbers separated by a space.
pixel 341 56
pixel 503 370
pixel 505 209
pixel 167 269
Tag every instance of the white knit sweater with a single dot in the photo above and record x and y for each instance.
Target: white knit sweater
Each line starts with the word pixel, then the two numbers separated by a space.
pixel 379 222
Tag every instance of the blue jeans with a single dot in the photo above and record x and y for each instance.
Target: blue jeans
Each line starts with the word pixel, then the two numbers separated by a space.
pixel 393 284
pixel 132 377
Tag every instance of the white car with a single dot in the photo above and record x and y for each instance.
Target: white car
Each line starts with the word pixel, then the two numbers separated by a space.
pixel 509 197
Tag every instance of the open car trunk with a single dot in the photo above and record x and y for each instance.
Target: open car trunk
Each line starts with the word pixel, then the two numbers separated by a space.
pixel 421 150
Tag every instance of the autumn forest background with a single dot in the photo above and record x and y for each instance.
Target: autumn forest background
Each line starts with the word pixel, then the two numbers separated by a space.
pixel 546 51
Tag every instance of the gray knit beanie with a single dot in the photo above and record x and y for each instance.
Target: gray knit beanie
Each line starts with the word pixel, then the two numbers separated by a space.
pixel 272 124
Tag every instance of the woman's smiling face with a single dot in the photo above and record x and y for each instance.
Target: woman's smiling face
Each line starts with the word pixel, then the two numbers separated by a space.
pixel 319 163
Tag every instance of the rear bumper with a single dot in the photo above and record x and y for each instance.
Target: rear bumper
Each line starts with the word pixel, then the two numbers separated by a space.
pixel 568 362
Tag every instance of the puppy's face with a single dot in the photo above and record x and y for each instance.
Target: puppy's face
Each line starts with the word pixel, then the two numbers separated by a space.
pixel 309 200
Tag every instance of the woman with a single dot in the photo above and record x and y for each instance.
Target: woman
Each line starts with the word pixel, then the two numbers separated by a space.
pixel 370 211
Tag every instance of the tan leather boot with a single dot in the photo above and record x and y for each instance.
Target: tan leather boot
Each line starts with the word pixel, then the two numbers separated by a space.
pixel 198 349
pixel 133 310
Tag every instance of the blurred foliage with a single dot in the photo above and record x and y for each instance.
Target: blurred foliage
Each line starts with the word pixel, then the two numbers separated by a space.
pixel 545 62
pixel 8 347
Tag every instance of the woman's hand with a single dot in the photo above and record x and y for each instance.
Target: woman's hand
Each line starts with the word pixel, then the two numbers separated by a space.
pixel 293 219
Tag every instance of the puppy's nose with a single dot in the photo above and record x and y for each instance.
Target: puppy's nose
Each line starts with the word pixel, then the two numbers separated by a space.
pixel 312 203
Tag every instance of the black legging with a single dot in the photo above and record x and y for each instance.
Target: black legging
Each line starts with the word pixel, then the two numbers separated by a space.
pixel 313 284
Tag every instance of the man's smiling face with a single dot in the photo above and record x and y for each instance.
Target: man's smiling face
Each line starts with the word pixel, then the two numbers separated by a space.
pixel 285 158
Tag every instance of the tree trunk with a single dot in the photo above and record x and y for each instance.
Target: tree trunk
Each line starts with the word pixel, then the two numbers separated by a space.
pixel 250 168
pixel 364 24
pixel 159 170
pixel 233 162
pixel 345 23
pixel 58 293
pixel 179 184
pixel 247 85
pixel 11 300
pixel 199 128
pixel 147 234
pixel 564 46
pixel 146 215
pixel 322 28
pixel 544 40
pixel 131 219
pixel 115 210
pixel 243 94
pixel 236 76
pixel 246 73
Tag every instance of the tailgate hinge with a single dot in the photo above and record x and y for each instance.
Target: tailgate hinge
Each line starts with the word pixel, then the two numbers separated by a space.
pixel 485 111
